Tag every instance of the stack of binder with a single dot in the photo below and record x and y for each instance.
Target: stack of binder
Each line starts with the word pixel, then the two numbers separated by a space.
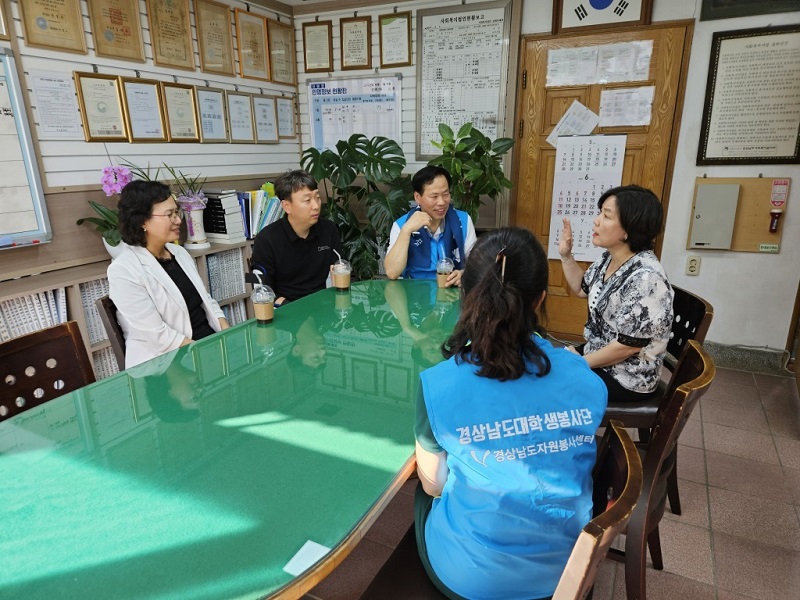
pixel 91 291
pixel 225 274
pixel 32 312
pixel 222 218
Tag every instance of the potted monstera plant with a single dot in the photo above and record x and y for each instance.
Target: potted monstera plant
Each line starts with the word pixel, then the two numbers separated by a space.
pixel 362 176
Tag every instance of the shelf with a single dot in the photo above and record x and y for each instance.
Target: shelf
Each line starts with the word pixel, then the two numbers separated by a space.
pixel 35 283
pixel 217 248
pixel 99 346
pixel 233 299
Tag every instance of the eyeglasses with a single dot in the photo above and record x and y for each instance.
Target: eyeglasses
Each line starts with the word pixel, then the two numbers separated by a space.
pixel 173 215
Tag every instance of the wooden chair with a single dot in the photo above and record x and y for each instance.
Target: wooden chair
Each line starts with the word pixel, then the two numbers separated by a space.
pixel 692 318
pixel 617 481
pixel 108 315
pixel 693 375
pixel 41 366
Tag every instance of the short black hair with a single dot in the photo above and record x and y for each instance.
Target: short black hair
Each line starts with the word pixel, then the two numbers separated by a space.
pixel 136 206
pixel 291 181
pixel 640 215
pixel 426 175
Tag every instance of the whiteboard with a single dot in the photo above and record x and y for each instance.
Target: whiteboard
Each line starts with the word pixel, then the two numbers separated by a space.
pixel 461 70
pixel 338 108
pixel 23 216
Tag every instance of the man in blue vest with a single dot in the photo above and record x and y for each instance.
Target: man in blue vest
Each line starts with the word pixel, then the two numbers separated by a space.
pixel 430 231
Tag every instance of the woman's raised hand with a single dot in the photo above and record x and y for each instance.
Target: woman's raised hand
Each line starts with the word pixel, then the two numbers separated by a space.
pixel 565 243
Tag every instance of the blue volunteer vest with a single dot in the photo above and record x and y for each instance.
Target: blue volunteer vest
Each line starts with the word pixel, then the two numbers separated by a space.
pixel 424 252
pixel 520 455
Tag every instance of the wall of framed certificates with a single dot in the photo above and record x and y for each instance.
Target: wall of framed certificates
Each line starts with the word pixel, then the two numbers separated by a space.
pixel 99 91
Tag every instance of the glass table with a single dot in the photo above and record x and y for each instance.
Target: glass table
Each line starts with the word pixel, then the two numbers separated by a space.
pixel 204 472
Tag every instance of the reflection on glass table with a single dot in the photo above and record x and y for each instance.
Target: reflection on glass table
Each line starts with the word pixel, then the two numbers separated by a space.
pixel 202 473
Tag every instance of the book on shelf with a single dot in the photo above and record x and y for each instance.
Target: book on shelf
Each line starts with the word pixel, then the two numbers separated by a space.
pixel 32 312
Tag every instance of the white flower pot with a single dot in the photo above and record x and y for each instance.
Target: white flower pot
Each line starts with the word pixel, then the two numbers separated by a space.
pixel 114 251
pixel 195 232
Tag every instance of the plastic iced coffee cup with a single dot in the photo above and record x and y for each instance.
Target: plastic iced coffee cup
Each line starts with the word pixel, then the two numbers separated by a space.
pixel 263 299
pixel 443 269
pixel 341 275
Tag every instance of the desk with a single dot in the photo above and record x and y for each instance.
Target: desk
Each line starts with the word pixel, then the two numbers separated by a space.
pixel 200 474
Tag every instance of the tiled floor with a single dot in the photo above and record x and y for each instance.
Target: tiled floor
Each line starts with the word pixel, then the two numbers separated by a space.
pixel 739 535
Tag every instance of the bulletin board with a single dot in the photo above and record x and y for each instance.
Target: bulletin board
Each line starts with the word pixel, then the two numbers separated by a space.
pixel 23 215
pixel 338 108
pixel 757 197
pixel 462 61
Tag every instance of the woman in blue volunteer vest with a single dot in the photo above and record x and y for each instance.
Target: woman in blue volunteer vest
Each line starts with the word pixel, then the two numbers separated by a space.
pixel 432 230
pixel 505 436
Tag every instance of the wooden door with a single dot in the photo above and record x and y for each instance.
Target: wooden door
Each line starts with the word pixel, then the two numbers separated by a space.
pixel 649 152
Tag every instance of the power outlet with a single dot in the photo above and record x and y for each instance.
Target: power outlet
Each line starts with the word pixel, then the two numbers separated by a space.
pixel 693 265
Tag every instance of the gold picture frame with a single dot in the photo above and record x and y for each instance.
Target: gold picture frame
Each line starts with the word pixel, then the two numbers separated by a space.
pixel 5 24
pixel 171 33
pixel 280 37
pixel 180 112
pixel 47 27
pixel 100 103
pixel 318 47
pixel 214 37
pixel 117 29
pixel 394 33
pixel 144 110
pixel 240 117
pixel 355 49
pixel 212 115
pixel 265 116
pixel 251 35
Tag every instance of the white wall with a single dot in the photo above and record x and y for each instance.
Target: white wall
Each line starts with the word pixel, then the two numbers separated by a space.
pixel 753 294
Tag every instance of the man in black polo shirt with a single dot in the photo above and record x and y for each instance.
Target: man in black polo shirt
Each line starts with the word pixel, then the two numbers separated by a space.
pixel 297 251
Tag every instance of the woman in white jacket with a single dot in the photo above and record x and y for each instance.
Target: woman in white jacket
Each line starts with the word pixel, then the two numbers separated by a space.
pixel 161 301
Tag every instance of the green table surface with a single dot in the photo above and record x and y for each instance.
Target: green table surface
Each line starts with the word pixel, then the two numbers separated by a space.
pixel 201 473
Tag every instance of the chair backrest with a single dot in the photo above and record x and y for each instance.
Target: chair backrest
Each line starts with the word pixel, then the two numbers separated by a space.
pixel 40 366
pixel 617 486
pixel 108 315
pixel 691 319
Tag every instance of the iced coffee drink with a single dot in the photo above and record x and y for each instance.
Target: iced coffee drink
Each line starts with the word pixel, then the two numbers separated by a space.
pixel 443 270
pixel 341 275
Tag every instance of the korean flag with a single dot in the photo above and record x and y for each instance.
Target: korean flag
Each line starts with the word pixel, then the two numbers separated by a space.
pixel 582 13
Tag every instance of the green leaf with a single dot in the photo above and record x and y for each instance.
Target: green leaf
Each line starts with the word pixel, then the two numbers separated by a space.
pixel 383 209
pixel 99 223
pixel 383 160
pixel 465 129
pixel 474 174
pixel 313 162
pixel 445 132
pixel 107 214
pixel 502 145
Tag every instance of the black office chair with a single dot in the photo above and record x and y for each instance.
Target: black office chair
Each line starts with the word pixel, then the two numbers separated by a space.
pixel 108 315
pixel 41 366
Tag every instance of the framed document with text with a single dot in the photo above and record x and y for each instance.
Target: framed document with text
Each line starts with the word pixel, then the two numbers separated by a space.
pixel 251 32
pixel 214 36
pixel 117 29
pixel 171 33
pixel 281 52
pixel 180 110
pixel 240 117
pixel 5 25
pixel 395 39
pixel 143 110
pixel 213 115
pixel 286 118
pixel 53 24
pixel 266 119
pixel 752 109
pixel 356 40
pixel 318 46
pixel 579 15
pixel 100 102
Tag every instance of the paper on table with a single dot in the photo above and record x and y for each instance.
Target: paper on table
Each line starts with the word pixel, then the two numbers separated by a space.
pixel 310 553
pixel 578 120
pixel 626 106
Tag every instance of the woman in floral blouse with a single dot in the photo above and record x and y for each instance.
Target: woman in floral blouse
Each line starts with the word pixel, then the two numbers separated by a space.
pixel 630 299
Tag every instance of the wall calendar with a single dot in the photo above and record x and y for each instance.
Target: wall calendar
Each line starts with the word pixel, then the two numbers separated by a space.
pixel 586 167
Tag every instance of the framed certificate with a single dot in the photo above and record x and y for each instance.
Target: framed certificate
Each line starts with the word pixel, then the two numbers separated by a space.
pixel 117 29
pixel 214 36
pixel 579 15
pixel 356 38
pixel 212 115
pixel 143 110
pixel 100 102
pixel 180 110
pixel 251 31
pixel 285 107
pixel 266 119
pixel 318 46
pixel 5 25
pixel 240 117
pixel 53 24
pixel 395 39
pixel 171 33
pixel 281 52
pixel 726 9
